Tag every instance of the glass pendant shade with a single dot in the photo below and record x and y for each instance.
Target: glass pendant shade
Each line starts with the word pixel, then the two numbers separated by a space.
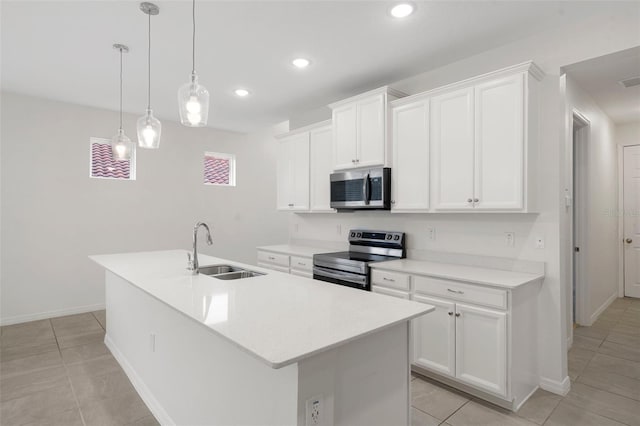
pixel 121 146
pixel 149 129
pixel 193 102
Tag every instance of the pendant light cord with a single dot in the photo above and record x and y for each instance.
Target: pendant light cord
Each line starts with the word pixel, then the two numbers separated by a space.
pixel 149 67
pixel 193 44
pixel 121 88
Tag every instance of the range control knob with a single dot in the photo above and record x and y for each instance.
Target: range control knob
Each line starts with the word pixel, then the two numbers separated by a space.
pixel 353 234
pixel 389 236
pixel 396 237
pixel 358 235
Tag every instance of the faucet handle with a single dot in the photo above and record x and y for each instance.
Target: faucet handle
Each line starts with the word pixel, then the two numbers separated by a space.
pixel 190 265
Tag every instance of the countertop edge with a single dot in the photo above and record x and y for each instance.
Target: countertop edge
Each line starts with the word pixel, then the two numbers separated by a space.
pixel 533 278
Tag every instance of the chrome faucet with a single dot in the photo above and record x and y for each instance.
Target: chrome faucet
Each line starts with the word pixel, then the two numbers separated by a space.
pixel 193 258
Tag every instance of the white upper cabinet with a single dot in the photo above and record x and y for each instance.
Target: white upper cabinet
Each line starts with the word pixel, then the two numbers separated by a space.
pixel 499 144
pixel 452 143
pixel 410 181
pixel 360 129
pixel 293 173
pixel 320 168
pixel 482 137
pixel 304 166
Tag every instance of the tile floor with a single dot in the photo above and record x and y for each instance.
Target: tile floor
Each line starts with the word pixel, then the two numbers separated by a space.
pixel 604 367
pixel 59 372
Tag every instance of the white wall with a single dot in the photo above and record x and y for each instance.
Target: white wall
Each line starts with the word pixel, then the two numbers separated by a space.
pixel 600 258
pixel 484 234
pixel 54 215
pixel 628 134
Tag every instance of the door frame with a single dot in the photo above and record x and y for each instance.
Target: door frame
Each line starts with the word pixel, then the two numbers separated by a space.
pixel 579 224
pixel 620 213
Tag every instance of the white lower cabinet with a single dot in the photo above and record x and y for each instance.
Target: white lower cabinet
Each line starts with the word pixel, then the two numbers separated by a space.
pixel 434 337
pixel 481 348
pixel 295 265
pixel 460 340
pixel 479 338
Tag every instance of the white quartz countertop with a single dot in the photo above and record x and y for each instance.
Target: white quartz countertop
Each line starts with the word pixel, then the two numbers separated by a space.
pixel 277 317
pixel 450 271
pixel 295 250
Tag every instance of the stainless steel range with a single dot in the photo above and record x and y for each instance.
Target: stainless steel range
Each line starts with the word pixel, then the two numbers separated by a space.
pixel 351 268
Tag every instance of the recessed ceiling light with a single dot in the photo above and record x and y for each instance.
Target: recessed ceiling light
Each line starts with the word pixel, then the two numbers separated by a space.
pixel 301 62
pixel 242 92
pixel 402 10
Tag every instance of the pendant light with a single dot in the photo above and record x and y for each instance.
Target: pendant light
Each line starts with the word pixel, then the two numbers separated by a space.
pixel 193 98
pixel 121 145
pixel 149 127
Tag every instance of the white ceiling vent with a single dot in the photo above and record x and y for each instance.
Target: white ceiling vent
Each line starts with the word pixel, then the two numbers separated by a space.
pixel 630 82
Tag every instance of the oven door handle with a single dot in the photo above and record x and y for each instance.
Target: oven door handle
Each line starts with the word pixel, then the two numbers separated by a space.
pixel 352 278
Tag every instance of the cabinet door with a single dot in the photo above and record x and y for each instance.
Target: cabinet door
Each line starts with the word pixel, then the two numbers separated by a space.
pixel 293 173
pixel 344 137
pixel 371 128
pixel 434 337
pixel 499 144
pixel 321 168
pixel 410 158
pixel 481 348
pixel 284 174
pixel 300 172
pixel 452 150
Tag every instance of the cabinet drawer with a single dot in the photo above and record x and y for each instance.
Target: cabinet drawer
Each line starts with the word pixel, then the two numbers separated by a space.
pixel 275 258
pixel 274 267
pixel 391 279
pixel 389 292
pixel 461 291
pixel 301 263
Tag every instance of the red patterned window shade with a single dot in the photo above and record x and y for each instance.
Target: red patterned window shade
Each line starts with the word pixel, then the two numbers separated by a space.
pixel 219 169
pixel 103 166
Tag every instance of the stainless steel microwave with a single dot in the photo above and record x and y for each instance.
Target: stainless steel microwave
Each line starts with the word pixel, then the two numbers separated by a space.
pixel 367 189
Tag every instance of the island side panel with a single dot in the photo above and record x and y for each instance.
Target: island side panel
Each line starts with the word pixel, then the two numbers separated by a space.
pixel 361 383
pixel 187 374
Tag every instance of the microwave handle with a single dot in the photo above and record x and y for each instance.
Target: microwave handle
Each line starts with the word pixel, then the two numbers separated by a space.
pixel 366 190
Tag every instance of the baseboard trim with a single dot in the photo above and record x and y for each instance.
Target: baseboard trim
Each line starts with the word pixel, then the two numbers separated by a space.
pixel 525 399
pixel 602 308
pixel 145 393
pixel 554 386
pixel 51 314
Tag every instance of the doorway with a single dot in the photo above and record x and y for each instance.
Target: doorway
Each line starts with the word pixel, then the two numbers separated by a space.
pixel 631 220
pixel 581 130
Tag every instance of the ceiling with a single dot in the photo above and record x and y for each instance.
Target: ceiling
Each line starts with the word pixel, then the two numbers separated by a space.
pixel 62 50
pixel 600 78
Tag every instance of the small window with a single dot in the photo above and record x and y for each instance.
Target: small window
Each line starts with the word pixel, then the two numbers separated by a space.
pixel 219 169
pixel 103 166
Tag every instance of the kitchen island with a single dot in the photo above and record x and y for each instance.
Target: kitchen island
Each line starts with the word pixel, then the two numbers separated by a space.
pixel 274 349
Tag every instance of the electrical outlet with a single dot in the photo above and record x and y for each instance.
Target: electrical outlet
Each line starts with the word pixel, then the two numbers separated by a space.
pixel 510 239
pixel 431 233
pixel 339 229
pixel 314 411
pixel 540 243
pixel 296 228
pixel 152 342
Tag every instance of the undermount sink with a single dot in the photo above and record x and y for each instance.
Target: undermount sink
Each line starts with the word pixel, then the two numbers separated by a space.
pixel 227 272
pixel 237 275
pixel 218 269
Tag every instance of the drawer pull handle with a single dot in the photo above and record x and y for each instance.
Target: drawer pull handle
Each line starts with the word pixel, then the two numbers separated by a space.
pixel 457 314
pixel 455 291
pixel 272 258
pixel 389 279
pixel 302 264
pixel 450 313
